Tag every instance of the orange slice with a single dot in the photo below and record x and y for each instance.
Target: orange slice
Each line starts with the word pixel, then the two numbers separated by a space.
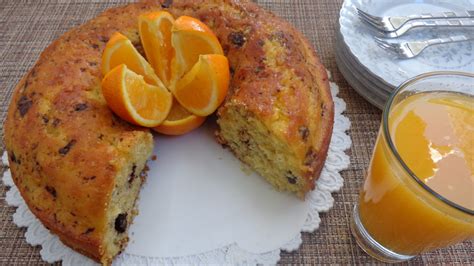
pixel 155 34
pixel 179 121
pixel 135 101
pixel 205 86
pixel 120 50
pixel 190 39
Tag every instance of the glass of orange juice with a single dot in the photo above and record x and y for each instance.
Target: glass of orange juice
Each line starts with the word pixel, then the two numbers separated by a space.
pixel 418 194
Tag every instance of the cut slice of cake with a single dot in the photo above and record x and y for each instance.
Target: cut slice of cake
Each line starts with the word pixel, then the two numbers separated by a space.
pixel 279 119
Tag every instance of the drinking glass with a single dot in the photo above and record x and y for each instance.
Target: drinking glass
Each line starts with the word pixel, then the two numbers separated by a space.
pixel 398 216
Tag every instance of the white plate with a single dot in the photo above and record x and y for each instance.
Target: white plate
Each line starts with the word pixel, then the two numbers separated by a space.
pixel 377 86
pixel 364 72
pixel 355 74
pixel 361 86
pixel 384 65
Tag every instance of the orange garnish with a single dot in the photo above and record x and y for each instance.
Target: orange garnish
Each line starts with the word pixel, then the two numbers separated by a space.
pixel 204 88
pixel 120 50
pixel 190 39
pixel 135 101
pixel 155 34
pixel 185 54
pixel 179 121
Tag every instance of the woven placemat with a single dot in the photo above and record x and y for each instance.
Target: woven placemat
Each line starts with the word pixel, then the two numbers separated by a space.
pixel 27 27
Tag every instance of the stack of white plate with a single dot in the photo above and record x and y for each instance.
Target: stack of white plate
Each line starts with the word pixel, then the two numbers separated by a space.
pixel 373 72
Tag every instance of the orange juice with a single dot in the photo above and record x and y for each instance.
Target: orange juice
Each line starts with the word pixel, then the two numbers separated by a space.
pixel 433 133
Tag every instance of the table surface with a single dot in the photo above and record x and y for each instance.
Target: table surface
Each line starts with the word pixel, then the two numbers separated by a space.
pixel 27 27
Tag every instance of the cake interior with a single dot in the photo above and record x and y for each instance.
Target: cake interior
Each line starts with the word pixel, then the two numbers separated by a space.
pixel 254 144
pixel 122 209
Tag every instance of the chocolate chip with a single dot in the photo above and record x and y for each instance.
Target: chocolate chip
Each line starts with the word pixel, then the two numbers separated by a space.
pixel 89 178
pixel 310 157
pixel 88 231
pixel 92 63
pixel 51 191
pixel 121 223
pixel 13 158
pixel 24 105
pixel 132 175
pixel 38 166
pixel 64 150
pixel 82 69
pixel 95 46
pixel 167 3
pixel 56 122
pixel 290 177
pixel 237 38
pixel 80 107
pixel 45 119
pixel 304 132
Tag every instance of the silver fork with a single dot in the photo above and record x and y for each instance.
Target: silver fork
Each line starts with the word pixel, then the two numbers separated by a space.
pixel 393 23
pixel 408 50
pixel 431 23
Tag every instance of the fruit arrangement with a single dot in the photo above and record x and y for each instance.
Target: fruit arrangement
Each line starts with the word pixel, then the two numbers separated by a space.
pixel 183 79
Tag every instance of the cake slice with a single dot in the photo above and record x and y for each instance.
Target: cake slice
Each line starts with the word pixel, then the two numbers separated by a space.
pixel 280 116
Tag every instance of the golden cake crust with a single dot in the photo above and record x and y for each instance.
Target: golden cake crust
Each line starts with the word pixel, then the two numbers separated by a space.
pixel 65 146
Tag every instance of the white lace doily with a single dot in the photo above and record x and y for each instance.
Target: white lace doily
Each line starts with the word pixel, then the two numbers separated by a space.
pixel 320 200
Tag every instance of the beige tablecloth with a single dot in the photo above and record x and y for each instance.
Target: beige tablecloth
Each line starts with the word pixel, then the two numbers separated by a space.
pixel 27 27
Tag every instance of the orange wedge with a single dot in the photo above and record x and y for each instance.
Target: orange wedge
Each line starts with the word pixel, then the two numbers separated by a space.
pixel 205 86
pixel 155 34
pixel 190 39
pixel 179 121
pixel 120 50
pixel 135 101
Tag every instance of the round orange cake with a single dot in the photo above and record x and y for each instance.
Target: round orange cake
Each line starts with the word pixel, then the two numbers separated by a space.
pixel 79 167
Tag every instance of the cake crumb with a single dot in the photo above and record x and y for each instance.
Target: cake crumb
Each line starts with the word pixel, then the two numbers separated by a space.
pixel 154 157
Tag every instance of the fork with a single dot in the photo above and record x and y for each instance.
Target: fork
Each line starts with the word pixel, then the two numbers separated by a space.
pixel 393 23
pixel 408 50
pixel 431 23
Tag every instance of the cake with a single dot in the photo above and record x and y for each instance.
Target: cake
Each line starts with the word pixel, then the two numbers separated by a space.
pixel 80 168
